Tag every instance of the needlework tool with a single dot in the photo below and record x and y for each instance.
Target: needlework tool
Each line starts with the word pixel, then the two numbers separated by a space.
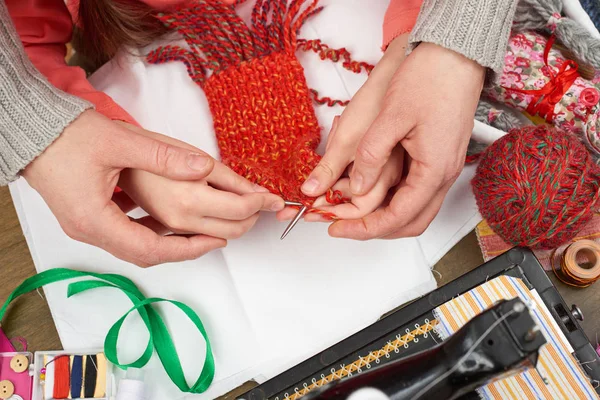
pixel 380 343
pixel 294 221
pixel 293 203
pixel 557 368
pixel 569 271
pixel 501 341
pixel 159 338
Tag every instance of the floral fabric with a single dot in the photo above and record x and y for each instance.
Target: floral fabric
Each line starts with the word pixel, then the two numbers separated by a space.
pixel 528 81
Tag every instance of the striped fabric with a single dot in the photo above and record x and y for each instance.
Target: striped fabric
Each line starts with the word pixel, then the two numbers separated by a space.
pixel 492 245
pixel 564 377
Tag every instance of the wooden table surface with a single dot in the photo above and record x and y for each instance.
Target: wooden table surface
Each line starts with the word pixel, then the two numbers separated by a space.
pixel 30 316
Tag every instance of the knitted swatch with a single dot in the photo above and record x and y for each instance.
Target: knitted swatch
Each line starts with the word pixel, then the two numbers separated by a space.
pixel 265 124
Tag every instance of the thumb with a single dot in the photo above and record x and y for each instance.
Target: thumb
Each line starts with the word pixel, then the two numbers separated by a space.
pixel 331 167
pixel 160 158
pixel 373 152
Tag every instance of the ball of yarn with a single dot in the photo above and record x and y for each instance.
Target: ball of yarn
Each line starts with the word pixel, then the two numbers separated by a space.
pixel 537 187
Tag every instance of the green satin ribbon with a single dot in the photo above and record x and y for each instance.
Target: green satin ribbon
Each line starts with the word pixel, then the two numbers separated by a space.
pixel 159 337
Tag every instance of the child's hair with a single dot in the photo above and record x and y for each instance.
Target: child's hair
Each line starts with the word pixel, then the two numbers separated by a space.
pixel 103 26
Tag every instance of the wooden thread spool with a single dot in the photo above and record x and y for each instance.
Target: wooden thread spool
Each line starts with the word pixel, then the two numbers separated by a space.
pixel 574 273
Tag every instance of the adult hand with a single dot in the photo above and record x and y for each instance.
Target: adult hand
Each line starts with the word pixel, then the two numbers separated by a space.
pixel 426 113
pixel 77 174
pixel 223 204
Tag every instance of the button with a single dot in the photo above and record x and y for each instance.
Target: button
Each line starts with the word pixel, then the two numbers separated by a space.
pixel 7 389
pixel 19 363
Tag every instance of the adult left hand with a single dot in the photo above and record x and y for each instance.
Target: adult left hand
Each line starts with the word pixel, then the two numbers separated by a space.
pixel 418 138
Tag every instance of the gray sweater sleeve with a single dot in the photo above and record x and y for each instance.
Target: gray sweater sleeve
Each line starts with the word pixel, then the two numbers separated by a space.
pixel 32 112
pixel 477 29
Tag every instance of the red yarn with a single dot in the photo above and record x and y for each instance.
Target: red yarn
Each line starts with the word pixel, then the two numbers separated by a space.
pixel 266 127
pixel 537 187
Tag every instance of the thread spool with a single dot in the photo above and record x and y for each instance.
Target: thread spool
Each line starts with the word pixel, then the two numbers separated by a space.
pixel 579 264
pixel 132 387
pixel 62 377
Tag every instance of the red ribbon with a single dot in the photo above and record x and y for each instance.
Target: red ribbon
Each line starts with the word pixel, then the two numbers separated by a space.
pixel 545 99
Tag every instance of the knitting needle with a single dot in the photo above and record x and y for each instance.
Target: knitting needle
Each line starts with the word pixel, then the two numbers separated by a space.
pixel 294 221
pixel 293 203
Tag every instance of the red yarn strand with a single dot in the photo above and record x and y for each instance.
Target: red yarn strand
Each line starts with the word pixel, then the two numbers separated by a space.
pixel 335 55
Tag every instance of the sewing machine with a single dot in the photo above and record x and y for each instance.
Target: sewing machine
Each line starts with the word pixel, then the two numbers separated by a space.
pixel 404 358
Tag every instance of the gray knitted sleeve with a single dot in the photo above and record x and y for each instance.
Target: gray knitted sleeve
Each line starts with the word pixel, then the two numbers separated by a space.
pixel 477 29
pixel 32 112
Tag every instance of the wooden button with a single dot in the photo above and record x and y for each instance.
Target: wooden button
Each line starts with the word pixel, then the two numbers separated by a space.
pixel 7 389
pixel 19 363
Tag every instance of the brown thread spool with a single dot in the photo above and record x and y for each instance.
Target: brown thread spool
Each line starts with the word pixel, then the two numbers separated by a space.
pixel 571 272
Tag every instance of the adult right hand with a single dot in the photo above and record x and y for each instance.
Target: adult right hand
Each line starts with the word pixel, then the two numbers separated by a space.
pixel 76 175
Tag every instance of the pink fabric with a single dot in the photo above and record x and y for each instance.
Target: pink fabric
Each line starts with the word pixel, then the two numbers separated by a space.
pixel 400 18
pixel 5 344
pixel 23 382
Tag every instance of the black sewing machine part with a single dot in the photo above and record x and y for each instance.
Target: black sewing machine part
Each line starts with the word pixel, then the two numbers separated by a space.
pixel 499 342
pixel 416 318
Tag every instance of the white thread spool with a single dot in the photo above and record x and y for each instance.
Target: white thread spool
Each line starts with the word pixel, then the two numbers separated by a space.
pixel 368 393
pixel 132 386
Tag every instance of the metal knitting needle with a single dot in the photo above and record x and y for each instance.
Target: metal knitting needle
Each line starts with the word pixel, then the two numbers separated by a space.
pixel 293 203
pixel 294 221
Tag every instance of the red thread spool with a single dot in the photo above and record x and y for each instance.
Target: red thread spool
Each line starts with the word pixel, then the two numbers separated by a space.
pixel 537 187
pixel 62 377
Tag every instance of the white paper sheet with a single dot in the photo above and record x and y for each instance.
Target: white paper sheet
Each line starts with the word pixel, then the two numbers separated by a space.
pixel 266 304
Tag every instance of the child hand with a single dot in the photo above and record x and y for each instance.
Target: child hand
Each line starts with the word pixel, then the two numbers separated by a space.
pixel 343 140
pixel 223 205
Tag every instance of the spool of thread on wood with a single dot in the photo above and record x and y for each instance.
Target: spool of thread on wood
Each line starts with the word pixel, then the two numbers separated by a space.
pixel 579 265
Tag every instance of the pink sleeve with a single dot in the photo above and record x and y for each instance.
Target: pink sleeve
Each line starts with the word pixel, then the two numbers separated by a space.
pixel 400 18
pixel 45 27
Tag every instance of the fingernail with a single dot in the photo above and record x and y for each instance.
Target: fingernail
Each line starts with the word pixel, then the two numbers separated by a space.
pixel 310 186
pixel 197 162
pixel 260 189
pixel 278 206
pixel 356 183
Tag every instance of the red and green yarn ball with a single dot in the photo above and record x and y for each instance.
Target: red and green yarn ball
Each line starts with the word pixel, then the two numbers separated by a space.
pixel 537 187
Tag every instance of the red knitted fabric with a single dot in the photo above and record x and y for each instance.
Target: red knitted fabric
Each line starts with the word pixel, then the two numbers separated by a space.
pixel 537 187
pixel 265 124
